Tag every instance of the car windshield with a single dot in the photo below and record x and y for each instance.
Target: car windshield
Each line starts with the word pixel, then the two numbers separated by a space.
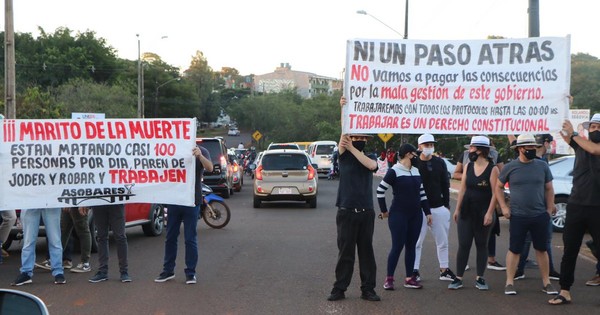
pixel 283 146
pixel 214 148
pixel 325 149
pixel 286 162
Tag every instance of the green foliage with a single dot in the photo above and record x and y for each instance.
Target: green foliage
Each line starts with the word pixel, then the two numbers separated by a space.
pixel 35 104
pixel 83 96
pixel 585 82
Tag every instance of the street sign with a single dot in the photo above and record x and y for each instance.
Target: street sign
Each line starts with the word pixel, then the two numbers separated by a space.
pixel 385 137
pixel 256 135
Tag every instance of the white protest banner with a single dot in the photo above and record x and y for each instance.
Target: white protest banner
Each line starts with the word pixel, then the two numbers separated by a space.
pixel 78 162
pixel 496 86
pixel 577 118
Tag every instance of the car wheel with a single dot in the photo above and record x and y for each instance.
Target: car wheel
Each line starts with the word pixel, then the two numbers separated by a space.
pixel 256 202
pixel 156 225
pixel 226 193
pixel 558 220
pixel 312 202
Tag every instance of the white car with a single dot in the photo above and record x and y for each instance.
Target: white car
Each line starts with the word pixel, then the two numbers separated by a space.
pixel 233 132
pixel 562 171
pixel 450 165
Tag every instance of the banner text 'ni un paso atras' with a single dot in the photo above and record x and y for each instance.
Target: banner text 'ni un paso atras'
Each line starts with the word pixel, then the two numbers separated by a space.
pixel 497 86
pixel 68 163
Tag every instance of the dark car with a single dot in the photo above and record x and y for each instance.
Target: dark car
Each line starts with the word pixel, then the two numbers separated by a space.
pixel 221 178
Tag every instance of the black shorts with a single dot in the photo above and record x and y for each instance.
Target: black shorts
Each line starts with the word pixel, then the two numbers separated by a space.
pixel 537 226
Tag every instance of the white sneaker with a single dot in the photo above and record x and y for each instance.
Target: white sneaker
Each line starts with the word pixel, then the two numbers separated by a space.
pixel 44 265
pixel 82 267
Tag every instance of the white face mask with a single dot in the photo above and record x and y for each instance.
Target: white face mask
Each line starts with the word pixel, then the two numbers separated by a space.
pixel 428 151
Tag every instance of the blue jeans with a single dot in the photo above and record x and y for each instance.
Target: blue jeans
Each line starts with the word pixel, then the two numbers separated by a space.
pixel 189 217
pixel 31 224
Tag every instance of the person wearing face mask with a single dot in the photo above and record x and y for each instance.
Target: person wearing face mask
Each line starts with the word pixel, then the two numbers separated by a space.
pixel 433 173
pixel 355 218
pixel 405 213
pixel 531 205
pixel 542 152
pixel 583 206
pixel 475 210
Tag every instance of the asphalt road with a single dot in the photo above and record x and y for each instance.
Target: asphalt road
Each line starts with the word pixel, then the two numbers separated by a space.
pixel 280 259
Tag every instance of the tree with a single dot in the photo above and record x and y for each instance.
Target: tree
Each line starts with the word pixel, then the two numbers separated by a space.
pixel 585 82
pixel 79 95
pixel 36 104
pixel 203 79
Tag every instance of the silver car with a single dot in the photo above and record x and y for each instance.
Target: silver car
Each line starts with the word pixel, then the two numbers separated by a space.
pixel 285 175
pixel 562 171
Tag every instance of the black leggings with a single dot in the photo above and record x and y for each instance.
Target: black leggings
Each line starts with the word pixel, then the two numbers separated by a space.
pixel 468 229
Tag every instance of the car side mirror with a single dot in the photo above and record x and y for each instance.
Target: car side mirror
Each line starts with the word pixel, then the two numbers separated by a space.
pixel 252 167
pixel 19 302
pixel 315 166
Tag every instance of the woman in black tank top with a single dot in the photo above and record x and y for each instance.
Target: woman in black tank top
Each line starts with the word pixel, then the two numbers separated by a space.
pixel 475 214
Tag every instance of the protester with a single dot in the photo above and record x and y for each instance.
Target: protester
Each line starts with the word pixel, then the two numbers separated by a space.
pixel 475 210
pixel 434 175
pixel 113 217
pixel 77 218
pixel 531 205
pixel 583 207
pixel 494 156
pixel 405 214
pixel 355 219
pixel 9 217
pixel 30 218
pixel 189 217
pixel 542 152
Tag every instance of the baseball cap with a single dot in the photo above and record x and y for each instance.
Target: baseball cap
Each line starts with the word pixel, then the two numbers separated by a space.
pixel 426 138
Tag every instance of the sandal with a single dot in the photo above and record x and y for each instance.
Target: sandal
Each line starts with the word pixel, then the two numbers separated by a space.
pixel 559 300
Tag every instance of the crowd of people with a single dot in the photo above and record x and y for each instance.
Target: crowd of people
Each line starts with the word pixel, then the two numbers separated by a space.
pixel 420 203
pixel 59 224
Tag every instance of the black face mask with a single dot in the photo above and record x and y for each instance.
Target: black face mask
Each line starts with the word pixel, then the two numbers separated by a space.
pixel 595 136
pixel 359 145
pixel 473 156
pixel 414 161
pixel 530 154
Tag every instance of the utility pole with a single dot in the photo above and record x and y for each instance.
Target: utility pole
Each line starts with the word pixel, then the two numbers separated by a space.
pixel 9 61
pixel 534 18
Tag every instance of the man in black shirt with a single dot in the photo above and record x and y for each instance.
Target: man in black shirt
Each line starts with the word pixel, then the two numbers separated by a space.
pixel 355 217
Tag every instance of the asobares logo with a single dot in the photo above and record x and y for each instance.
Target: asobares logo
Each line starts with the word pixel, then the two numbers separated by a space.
pixel 75 196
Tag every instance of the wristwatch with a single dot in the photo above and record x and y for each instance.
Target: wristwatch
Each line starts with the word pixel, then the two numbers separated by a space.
pixel 575 133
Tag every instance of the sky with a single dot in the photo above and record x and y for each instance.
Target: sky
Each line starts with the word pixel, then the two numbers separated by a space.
pixel 257 36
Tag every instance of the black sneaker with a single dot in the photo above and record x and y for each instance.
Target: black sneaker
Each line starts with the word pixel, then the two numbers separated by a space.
pixel 370 296
pixel 447 275
pixel 191 279
pixel 60 279
pixel 98 277
pixel 164 276
pixel 125 277
pixel 520 274
pixel 554 275
pixel 336 295
pixel 22 279
pixel 416 275
pixel 495 266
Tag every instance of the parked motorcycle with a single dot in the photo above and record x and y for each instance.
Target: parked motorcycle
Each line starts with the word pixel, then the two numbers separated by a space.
pixel 215 211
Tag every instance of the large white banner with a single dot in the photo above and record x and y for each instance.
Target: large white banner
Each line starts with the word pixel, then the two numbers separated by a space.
pixel 74 162
pixel 498 86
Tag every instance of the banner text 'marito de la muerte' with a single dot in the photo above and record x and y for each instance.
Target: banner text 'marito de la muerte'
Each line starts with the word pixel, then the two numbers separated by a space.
pixel 90 162
pixel 460 87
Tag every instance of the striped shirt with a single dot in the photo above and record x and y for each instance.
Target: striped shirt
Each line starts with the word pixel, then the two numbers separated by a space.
pixel 407 188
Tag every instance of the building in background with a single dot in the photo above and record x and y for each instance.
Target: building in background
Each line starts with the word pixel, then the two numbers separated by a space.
pixel 306 84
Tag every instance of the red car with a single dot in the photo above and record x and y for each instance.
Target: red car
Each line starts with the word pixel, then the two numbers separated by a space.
pixel 149 216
